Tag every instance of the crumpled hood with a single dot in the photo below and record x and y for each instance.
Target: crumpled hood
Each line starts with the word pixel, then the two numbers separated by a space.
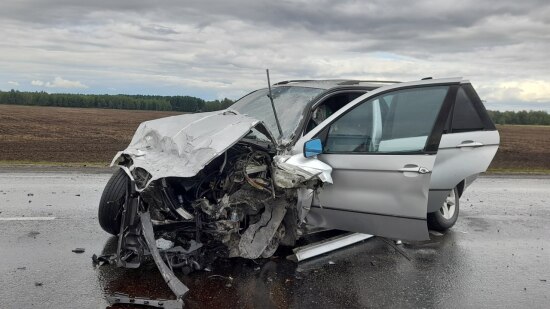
pixel 181 146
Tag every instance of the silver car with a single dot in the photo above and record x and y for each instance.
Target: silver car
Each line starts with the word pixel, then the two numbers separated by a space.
pixel 384 158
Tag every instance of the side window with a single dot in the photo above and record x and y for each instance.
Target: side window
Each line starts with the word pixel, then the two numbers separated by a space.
pixel 329 107
pixel 399 121
pixel 465 116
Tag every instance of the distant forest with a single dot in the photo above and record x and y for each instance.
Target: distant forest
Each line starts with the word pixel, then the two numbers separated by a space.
pixel 521 117
pixel 193 104
pixel 120 101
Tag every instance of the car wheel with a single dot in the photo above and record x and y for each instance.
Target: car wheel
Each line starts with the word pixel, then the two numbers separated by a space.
pixel 446 216
pixel 112 201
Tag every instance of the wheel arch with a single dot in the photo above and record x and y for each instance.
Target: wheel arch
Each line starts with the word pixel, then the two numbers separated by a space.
pixel 460 187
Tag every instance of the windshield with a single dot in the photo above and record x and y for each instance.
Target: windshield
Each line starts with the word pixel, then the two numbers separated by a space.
pixel 290 103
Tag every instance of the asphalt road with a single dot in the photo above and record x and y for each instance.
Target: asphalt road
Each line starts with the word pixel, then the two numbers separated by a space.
pixel 498 255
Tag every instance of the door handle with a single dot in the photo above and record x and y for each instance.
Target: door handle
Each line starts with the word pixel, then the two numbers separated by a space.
pixel 414 169
pixel 469 144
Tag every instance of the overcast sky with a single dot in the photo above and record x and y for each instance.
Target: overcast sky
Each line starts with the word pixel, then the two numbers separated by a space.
pixel 216 49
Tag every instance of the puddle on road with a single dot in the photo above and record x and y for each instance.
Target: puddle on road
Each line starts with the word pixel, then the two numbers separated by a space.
pixel 232 283
pixel 279 283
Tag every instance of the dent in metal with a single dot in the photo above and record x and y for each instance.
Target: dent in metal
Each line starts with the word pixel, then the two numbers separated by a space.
pixel 293 171
pixel 181 146
pixel 257 237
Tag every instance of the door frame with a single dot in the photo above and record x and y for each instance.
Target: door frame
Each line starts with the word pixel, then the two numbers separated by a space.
pixel 354 220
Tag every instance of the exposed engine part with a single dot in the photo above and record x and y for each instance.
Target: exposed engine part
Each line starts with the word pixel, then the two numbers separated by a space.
pixel 260 235
pixel 241 204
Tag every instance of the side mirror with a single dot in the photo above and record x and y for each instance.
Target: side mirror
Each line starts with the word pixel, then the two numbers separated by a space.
pixel 312 148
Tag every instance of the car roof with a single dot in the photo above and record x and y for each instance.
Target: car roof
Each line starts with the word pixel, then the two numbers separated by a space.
pixel 328 84
pixel 335 83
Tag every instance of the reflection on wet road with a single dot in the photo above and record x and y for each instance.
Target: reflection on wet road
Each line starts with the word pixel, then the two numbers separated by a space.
pixel 497 255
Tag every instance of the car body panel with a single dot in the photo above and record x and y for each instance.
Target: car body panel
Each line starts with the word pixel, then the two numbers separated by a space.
pixel 370 194
pixel 371 187
pixel 460 156
pixel 180 146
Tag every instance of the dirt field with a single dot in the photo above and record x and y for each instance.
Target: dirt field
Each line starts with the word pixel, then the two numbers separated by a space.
pixel 59 134
pixel 55 134
pixel 523 147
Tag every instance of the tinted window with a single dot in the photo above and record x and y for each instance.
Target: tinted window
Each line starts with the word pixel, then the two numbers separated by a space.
pixel 465 115
pixel 395 122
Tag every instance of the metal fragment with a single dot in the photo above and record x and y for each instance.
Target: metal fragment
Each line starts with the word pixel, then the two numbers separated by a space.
pixel 119 298
pixel 328 245
pixel 173 282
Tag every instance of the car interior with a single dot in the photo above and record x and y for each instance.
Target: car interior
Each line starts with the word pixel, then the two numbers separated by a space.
pixel 329 106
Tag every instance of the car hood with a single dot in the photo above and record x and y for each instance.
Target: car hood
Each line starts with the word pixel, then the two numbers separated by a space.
pixel 181 146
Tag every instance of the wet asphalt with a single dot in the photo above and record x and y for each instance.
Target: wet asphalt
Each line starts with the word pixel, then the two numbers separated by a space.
pixel 498 255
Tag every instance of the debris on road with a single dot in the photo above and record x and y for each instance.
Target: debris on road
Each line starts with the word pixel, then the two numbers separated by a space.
pixel 38 284
pixel 119 298
pixel 328 245
pixel 33 234
pixel 103 259
pixel 79 250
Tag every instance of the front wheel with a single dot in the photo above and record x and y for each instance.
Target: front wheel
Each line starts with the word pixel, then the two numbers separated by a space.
pixel 112 201
pixel 446 216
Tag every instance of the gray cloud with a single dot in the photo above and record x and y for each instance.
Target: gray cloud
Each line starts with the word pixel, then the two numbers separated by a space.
pixel 219 48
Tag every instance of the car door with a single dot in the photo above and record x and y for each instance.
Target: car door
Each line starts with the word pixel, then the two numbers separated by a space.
pixel 382 149
pixel 470 141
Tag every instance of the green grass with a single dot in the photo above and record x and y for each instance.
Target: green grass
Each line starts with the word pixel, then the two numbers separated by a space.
pixel 4 163
pixel 530 171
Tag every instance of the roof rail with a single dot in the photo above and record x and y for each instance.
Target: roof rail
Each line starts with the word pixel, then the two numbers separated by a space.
pixel 293 81
pixel 354 82
pixel 341 81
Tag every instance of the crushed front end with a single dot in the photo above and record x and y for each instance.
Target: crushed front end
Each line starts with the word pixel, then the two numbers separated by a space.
pixel 218 188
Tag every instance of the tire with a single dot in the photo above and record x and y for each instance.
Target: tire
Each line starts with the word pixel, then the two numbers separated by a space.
pixel 111 203
pixel 446 216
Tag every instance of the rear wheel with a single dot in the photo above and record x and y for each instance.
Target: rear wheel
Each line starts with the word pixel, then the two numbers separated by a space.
pixel 112 201
pixel 446 216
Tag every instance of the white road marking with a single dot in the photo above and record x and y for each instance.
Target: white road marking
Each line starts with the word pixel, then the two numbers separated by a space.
pixel 27 219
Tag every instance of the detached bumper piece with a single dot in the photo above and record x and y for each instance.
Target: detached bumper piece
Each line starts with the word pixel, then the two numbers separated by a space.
pixel 173 282
pixel 119 298
pixel 137 240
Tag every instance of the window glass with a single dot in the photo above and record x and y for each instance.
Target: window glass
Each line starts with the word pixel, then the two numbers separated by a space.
pixel 289 101
pixel 465 116
pixel 399 121
pixel 329 107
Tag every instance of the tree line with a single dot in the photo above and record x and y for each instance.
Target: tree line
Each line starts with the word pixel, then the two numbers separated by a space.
pixel 191 104
pixel 521 117
pixel 120 101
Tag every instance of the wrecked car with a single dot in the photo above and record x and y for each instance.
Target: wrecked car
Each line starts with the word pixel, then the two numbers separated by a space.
pixel 383 158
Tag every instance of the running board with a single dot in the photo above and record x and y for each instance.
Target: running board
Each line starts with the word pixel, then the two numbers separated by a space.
pixel 327 245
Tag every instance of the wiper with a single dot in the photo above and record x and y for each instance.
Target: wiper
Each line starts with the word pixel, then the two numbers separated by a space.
pixel 270 96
